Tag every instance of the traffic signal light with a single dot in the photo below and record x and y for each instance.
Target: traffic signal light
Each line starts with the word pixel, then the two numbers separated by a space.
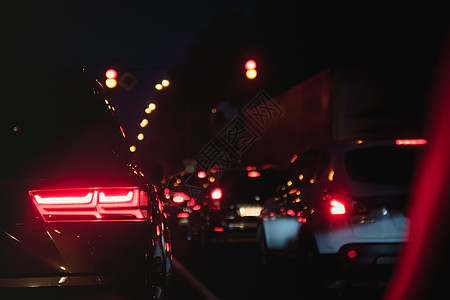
pixel 250 67
pixel 111 78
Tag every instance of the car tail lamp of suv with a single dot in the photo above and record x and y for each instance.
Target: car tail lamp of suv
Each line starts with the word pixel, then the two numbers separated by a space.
pixel 91 204
pixel 337 207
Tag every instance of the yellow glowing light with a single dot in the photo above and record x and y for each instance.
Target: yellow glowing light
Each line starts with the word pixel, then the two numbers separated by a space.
pixel 251 74
pixel 300 177
pixel 312 180
pixel 148 111
pixel 289 183
pixel 331 175
pixel 165 83
pixel 152 106
pixel 106 101
pixel 211 179
pixel 140 136
pixel 111 83
pixel 213 110
pixel 144 123
pixel 158 86
pixel 132 148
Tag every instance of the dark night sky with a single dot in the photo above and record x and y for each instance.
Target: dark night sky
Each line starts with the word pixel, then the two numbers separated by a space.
pixel 145 38
pixel 148 38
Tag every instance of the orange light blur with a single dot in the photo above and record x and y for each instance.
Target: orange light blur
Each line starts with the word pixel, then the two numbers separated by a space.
pixel 253 174
pixel 251 74
pixel 144 123
pixel 165 83
pixel 111 83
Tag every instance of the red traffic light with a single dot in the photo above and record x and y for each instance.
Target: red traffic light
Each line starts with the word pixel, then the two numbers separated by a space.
pixel 250 64
pixel 250 67
pixel 111 74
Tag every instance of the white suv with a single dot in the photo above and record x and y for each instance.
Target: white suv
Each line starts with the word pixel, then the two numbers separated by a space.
pixel 342 206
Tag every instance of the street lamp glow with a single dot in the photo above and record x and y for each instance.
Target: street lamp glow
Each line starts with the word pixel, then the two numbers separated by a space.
pixel 165 83
pixel 158 86
pixel 152 106
pixel 132 148
pixel 148 111
pixel 140 136
pixel 144 123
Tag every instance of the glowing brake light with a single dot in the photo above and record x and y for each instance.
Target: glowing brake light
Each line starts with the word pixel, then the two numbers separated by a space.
pixel 337 207
pixel 216 194
pixel 410 142
pixel 87 204
pixel 180 197
pixel 115 199
pixel 64 199
pixel 253 174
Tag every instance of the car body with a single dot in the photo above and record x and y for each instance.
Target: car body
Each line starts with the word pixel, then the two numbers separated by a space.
pixel 230 207
pixel 76 210
pixel 342 207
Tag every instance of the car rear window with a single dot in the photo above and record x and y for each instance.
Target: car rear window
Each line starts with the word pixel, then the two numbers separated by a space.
pixel 393 165
pixel 243 188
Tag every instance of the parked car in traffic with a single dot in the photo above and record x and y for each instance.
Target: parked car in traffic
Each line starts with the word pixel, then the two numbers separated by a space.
pixel 230 207
pixel 75 209
pixel 341 209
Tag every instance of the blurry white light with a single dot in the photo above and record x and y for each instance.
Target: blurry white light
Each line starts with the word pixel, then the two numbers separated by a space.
pixel 158 86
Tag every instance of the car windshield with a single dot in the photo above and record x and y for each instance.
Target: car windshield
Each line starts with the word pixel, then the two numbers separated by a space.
pixel 393 165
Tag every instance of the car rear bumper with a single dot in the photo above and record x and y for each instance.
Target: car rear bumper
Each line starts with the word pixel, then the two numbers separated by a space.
pixel 366 254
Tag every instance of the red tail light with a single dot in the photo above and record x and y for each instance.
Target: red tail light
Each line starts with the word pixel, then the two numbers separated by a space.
pixel 410 142
pixel 337 207
pixel 180 197
pixel 216 194
pixel 129 203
